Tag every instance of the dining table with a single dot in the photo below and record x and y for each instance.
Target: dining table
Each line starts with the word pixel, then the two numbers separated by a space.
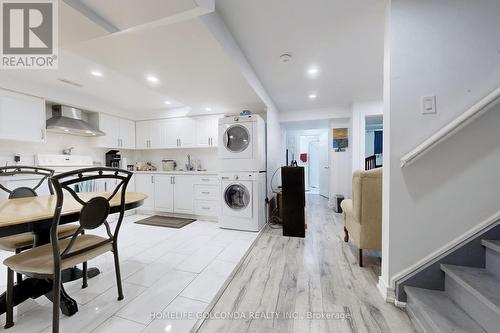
pixel 35 215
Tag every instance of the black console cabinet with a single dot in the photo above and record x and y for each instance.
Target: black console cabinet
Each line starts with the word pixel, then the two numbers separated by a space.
pixel 294 201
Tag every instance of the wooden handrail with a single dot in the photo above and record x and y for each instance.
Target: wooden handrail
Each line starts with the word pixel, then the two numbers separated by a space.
pixel 456 125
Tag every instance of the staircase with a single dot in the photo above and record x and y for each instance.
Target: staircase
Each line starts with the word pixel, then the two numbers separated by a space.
pixel 470 302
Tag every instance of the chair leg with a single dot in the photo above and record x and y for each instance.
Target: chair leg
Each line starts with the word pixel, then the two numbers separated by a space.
pixel 118 275
pixel 56 301
pixel 9 309
pixel 84 277
pixel 346 235
pixel 360 257
pixel 19 276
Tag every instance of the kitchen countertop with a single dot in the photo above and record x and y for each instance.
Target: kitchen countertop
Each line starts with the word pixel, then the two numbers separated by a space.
pixel 177 172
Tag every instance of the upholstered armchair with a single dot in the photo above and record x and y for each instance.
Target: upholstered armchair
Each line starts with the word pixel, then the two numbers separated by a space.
pixel 363 214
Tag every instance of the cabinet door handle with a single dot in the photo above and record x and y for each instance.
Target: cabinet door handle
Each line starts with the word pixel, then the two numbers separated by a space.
pixel 152 179
pixel 205 192
pixel 43 134
pixel 205 179
pixel 205 208
pixel 209 141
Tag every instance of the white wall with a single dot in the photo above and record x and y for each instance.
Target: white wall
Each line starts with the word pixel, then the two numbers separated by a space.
pixel 314 114
pixel 359 113
pixel 207 157
pixel 340 162
pixel 54 145
pixel 447 48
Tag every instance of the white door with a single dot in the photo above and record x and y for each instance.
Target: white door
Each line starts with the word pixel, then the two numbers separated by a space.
pixel 144 183
pixel 169 133
pixel 111 126
pixel 324 166
pixel 186 132
pixel 22 117
pixel 203 132
pixel 207 131
pixel 127 134
pixel 164 193
pixel 237 199
pixel 143 134
pixel 236 140
pixel 184 194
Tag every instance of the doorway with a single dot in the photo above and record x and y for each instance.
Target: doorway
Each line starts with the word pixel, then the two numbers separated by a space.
pixel 373 153
pixel 307 144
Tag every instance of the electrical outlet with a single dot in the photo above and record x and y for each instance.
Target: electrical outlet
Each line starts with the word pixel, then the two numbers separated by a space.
pixel 428 105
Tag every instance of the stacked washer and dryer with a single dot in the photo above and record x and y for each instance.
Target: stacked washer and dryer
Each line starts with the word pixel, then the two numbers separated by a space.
pixel 242 164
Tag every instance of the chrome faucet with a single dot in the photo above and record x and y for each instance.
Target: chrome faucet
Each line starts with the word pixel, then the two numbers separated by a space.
pixel 189 166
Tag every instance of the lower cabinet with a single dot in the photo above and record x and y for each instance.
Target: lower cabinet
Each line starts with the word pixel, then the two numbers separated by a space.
pixel 179 194
pixel 164 193
pixel 144 183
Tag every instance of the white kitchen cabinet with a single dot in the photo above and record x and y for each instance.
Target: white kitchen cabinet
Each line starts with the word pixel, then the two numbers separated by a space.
pixel 183 189
pixel 22 117
pixel 207 129
pixel 164 193
pixel 145 183
pixel 177 133
pixel 127 134
pixel 143 134
pixel 120 133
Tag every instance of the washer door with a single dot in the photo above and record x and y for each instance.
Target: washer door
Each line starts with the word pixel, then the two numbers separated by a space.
pixel 236 140
pixel 238 199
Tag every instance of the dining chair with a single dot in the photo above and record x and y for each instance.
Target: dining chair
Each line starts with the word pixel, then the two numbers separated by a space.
pixel 24 241
pixel 47 261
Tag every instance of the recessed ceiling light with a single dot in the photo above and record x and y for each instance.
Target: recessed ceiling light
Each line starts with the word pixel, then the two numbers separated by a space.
pixel 66 130
pixel 208 109
pixel 152 79
pixel 168 102
pixel 313 71
pixel 96 73
pixel 312 96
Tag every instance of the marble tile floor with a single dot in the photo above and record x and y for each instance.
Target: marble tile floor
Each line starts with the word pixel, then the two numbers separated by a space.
pixel 164 270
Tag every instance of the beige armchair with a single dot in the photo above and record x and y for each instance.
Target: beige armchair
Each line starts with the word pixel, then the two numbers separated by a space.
pixel 363 214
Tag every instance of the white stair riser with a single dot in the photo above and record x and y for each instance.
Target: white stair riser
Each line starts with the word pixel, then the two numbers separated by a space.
pixel 493 261
pixel 473 306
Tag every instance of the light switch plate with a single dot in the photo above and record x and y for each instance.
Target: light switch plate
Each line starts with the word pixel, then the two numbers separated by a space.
pixel 428 105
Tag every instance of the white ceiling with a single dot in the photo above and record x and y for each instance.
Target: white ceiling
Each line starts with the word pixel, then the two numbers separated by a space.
pixel 344 39
pixel 194 72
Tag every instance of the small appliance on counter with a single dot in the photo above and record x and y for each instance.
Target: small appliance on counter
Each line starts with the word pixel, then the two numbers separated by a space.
pixel 168 165
pixel 113 159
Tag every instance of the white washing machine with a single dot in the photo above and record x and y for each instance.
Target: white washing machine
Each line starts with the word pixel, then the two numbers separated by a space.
pixel 242 143
pixel 243 200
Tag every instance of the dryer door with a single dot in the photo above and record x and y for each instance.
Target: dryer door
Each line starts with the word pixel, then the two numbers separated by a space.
pixel 236 140
pixel 237 199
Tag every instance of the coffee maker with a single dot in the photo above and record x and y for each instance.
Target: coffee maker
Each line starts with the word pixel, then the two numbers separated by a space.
pixel 113 158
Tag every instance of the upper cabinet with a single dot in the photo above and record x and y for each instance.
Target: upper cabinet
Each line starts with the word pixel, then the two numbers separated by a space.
pixel 22 117
pixel 177 133
pixel 207 129
pixel 120 133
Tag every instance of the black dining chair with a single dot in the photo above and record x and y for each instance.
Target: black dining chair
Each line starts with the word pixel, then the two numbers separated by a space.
pixel 24 241
pixel 47 261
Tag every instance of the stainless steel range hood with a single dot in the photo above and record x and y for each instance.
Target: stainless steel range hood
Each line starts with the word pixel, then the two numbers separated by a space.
pixel 68 120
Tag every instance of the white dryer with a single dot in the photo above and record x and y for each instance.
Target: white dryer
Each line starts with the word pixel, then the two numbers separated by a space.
pixel 243 200
pixel 242 143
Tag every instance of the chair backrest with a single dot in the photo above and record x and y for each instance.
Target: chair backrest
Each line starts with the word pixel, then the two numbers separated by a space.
pixel 367 195
pixel 24 191
pixel 370 162
pixel 95 208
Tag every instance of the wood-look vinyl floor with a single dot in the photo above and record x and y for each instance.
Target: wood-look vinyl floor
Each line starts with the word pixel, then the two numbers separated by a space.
pixel 318 275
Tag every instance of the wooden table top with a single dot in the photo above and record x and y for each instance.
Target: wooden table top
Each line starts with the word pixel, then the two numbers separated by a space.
pixel 27 210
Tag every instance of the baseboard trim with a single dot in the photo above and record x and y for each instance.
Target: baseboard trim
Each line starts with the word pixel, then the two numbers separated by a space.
pixel 388 293
pixel 445 250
